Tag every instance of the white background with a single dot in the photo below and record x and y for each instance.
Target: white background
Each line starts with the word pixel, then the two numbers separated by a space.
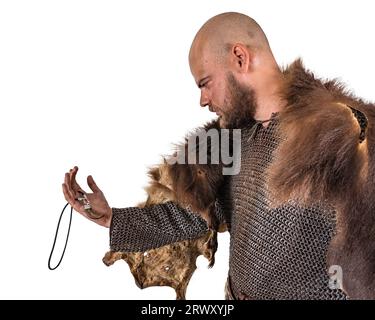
pixel 106 85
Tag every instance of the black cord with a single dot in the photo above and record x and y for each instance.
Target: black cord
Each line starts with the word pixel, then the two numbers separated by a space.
pixel 54 241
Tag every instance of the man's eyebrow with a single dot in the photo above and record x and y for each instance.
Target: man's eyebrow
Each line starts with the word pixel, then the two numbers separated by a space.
pixel 200 83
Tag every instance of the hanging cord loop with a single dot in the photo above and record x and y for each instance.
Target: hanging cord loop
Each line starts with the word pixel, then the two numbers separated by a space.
pixel 56 233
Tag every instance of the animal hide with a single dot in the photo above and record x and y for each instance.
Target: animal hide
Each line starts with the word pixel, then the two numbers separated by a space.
pixel 327 154
pixel 191 186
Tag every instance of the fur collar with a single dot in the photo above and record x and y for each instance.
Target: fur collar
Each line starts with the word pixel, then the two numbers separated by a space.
pixel 320 154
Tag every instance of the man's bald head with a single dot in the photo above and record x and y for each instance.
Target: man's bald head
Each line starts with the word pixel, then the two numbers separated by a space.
pixel 235 70
pixel 221 32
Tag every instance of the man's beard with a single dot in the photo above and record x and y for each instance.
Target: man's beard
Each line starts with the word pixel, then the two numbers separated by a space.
pixel 242 105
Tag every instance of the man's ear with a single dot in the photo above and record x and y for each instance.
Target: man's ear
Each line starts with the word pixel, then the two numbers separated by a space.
pixel 241 57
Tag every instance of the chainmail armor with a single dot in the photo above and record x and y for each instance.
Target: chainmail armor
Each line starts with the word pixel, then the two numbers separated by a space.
pixel 140 229
pixel 274 253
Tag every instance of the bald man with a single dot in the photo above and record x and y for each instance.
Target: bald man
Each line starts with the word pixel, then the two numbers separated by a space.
pixel 299 213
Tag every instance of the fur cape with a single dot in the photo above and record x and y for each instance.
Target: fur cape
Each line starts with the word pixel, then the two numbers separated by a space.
pixel 327 154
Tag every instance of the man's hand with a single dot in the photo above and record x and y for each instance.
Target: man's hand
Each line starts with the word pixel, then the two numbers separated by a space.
pixel 99 205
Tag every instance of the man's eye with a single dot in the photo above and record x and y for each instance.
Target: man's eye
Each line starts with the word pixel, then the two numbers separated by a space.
pixel 204 84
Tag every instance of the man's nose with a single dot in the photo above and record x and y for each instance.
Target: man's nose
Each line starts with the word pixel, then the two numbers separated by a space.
pixel 204 101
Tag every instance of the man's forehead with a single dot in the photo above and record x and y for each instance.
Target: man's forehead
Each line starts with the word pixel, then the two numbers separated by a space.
pixel 199 49
pixel 200 61
pixel 200 65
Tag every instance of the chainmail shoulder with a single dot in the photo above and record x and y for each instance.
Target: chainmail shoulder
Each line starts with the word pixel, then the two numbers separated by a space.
pixel 136 229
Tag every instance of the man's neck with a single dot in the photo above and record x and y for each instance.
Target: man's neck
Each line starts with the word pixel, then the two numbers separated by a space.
pixel 268 102
pixel 265 111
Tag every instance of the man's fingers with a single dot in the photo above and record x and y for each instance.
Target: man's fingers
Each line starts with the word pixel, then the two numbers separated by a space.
pixel 72 201
pixel 73 173
pixel 67 195
pixel 92 184
pixel 73 186
pixel 68 186
pixel 73 183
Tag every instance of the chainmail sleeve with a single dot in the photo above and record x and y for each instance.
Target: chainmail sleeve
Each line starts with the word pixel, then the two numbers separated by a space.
pixel 136 229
